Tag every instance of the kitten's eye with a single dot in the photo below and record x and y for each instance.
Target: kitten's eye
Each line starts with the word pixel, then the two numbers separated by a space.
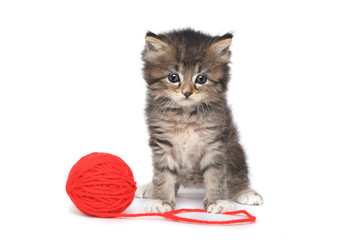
pixel 174 78
pixel 201 79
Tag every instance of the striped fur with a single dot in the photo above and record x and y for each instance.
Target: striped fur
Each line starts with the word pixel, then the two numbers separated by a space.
pixel 193 139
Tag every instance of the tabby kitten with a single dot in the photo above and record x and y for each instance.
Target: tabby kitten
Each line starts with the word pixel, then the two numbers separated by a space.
pixel 193 138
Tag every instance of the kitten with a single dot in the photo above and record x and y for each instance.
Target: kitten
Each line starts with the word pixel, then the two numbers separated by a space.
pixel 193 138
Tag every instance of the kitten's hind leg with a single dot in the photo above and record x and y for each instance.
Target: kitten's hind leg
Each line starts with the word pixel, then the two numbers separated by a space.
pixel 144 190
pixel 249 197
pixel 157 206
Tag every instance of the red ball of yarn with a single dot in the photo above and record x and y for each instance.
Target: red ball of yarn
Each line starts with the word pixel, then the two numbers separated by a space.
pixel 101 185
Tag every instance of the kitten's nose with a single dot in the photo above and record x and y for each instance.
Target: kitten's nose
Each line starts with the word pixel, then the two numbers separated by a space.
pixel 187 93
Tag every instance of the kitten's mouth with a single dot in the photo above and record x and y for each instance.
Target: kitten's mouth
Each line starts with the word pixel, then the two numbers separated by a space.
pixel 185 101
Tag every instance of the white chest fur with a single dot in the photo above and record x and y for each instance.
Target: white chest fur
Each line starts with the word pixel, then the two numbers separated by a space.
pixel 188 145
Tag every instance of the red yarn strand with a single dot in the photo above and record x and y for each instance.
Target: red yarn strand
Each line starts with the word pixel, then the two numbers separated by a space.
pixel 173 216
pixel 102 185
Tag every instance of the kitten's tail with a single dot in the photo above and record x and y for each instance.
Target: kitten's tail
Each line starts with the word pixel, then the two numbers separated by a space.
pixel 144 190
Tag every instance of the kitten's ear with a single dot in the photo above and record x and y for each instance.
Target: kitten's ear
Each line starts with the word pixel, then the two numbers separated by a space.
pixel 154 43
pixel 222 47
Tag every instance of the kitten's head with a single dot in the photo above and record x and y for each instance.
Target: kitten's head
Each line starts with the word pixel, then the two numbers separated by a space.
pixel 186 66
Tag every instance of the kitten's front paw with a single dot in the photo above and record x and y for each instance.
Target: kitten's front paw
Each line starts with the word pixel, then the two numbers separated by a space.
pixel 249 197
pixel 220 206
pixel 157 206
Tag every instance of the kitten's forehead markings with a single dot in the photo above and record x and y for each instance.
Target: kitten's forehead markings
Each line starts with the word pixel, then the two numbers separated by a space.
pixel 173 69
pixel 200 69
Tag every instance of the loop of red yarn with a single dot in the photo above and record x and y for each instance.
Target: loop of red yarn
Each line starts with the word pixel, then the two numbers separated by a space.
pixel 101 185
pixel 173 215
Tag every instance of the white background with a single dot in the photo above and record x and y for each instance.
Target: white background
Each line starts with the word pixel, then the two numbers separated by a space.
pixel 71 84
